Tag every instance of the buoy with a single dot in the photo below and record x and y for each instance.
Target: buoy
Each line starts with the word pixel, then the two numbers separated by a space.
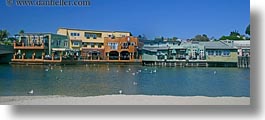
pixel 133 74
pixel 61 70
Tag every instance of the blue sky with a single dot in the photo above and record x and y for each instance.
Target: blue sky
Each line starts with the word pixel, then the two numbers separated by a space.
pixel 168 18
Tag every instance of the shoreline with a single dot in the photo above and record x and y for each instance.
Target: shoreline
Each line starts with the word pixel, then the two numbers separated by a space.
pixel 123 100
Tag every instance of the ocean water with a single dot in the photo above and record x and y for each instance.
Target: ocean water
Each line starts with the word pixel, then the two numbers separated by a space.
pixel 107 79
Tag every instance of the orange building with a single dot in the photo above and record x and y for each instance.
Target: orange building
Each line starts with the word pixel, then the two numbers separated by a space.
pixel 121 48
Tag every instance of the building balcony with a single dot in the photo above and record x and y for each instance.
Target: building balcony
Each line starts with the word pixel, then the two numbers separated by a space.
pixel 121 48
pixel 32 46
pixel 33 59
pixel 85 46
pixel 76 46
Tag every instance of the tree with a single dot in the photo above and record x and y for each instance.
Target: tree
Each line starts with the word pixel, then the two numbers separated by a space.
pixel 231 38
pixel 21 32
pixel 213 38
pixel 3 35
pixel 234 35
pixel 203 37
pixel 248 30
pixel 175 38
pixel 139 36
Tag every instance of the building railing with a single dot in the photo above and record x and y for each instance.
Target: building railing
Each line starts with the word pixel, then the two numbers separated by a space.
pixel 121 48
pixel 21 45
pixel 22 58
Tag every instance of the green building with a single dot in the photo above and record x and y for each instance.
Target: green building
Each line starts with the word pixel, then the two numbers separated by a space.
pixel 39 45
pixel 216 53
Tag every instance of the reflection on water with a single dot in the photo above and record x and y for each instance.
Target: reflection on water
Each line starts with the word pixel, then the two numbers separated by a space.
pixel 93 80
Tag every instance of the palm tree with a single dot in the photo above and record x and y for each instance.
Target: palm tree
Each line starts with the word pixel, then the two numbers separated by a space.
pixel 248 30
pixel 3 35
pixel 21 32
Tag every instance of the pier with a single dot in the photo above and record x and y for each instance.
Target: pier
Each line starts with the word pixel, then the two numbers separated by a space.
pixel 184 63
pixel 243 62
pixel 6 53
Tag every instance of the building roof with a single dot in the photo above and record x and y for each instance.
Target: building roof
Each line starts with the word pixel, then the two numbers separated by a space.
pixel 34 33
pixel 242 43
pixel 94 30
pixel 217 45
pixel 39 34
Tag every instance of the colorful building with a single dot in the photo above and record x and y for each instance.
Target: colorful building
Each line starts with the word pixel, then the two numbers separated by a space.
pixel 221 52
pixel 85 42
pixel 40 47
pixel 213 53
pixel 243 47
pixel 121 48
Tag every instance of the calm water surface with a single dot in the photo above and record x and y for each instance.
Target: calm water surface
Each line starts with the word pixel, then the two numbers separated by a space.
pixel 94 80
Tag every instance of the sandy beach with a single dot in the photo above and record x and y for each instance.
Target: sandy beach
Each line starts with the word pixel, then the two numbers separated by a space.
pixel 123 100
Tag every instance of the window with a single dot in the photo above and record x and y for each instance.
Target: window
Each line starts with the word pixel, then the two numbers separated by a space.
pixel 75 43
pixel 94 36
pixel 92 45
pixel 58 43
pixel 99 45
pixel 210 52
pixel 75 34
pixel 113 46
pixel 226 53
pixel 87 35
pixel 84 44
pixel 132 43
pixel 65 43
pixel 219 53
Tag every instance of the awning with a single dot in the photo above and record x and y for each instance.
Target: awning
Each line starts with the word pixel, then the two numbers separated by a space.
pixel 76 40
pixel 174 51
pixel 60 49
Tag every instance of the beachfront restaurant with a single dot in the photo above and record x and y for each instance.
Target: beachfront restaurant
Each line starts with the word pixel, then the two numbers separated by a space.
pixel 173 52
pixel 88 45
pixel 121 48
pixel 39 47
pixel 220 53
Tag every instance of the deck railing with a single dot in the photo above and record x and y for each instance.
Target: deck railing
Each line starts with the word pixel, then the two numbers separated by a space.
pixel 18 45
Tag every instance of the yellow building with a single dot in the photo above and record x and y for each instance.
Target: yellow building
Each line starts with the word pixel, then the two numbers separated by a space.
pixel 87 41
